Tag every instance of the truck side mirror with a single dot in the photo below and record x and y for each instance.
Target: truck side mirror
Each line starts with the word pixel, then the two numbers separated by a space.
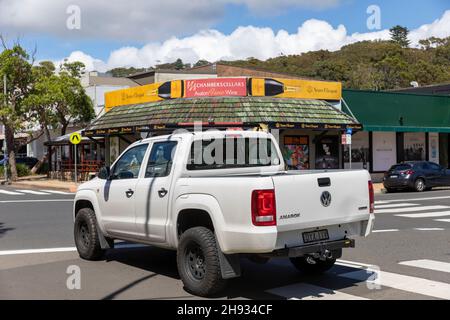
pixel 104 173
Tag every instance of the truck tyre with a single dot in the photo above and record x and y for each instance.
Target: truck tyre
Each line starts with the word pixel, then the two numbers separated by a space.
pixel 86 235
pixel 306 265
pixel 419 185
pixel 198 262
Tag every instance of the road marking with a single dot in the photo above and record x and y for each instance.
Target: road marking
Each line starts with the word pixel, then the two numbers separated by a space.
pixel 120 245
pixel 421 208
pixel 429 229
pixel 385 230
pixel 56 192
pixel 11 192
pixel 304 291
pixel 401 282
pixel 396 205
pixel 33 192
pixel 382 202
pixel 413 199
pixel 425 214
pixel 27 201
pixel 428 264
pixel 442 220
pixel 28 251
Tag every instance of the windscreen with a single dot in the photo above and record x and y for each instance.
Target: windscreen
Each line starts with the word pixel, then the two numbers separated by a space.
pixel 232 152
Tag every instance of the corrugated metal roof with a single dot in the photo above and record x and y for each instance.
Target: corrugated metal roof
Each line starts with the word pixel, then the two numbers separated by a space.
pixel 223 109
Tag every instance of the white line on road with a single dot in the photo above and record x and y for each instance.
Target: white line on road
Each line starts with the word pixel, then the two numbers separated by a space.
pixel 11 192
pixel 425 214
pixel 385 230
pixel 442 220
pixel 429 229
pixel 412 199
pixel 396 205
pixel 304 291
pixel 27 201
pixel 28 251
pixel 428 264
pixel 421 208
pixel 381 202
pixel 401 282
pixel 33 192
pixel 119 245
pixel 56 192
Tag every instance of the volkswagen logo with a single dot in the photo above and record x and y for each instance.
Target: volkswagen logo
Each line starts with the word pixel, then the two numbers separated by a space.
pixel 325 198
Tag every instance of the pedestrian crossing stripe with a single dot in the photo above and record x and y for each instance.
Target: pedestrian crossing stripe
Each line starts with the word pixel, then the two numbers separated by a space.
pixel 409 209
pixel 396 205
pixel 305 291
pixel 442 220
pixel 22 192
pixel 428 264
pixel 425 214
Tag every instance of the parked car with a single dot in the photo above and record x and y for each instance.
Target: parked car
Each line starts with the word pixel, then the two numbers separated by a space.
pixel 416 175
pixel 30 162
pixel 165 191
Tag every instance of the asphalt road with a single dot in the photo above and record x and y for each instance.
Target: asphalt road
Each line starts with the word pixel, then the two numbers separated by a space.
pixel 409 253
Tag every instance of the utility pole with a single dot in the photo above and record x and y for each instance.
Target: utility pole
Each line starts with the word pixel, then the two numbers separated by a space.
pixel 5 148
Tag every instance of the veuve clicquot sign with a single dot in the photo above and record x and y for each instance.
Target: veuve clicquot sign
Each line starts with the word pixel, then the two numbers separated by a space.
pixel 215 87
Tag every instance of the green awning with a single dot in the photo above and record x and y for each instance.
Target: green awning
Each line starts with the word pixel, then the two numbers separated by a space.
pixel 225 111
pixel 399 112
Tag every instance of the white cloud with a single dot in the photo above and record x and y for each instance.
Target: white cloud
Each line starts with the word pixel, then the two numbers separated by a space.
pixel 134 20
pixel 244 42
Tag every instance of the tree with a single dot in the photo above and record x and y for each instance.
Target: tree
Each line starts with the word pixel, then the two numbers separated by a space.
pixel 16 64
pixel 201 63
pixel 399 35
pixel 58 99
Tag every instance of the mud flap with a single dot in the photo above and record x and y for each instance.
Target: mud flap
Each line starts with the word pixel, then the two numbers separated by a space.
pixel 230 265
pixel 103 242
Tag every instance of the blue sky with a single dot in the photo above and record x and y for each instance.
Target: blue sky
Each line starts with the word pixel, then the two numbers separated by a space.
pixel 139 34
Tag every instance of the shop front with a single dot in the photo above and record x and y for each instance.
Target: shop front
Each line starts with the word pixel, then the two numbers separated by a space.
pixel 397 127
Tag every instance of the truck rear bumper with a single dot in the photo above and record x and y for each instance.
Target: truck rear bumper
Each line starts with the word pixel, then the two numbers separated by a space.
pixel 313 248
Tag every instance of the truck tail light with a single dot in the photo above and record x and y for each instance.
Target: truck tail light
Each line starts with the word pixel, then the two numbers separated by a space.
pixel 371 198
pixel 264 212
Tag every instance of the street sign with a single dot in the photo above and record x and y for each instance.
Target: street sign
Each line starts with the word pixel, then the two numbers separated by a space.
pixel 75 138
pixel 349 130
pixel 346 139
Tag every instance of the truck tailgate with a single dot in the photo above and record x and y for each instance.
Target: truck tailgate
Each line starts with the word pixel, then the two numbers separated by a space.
pixel 298 198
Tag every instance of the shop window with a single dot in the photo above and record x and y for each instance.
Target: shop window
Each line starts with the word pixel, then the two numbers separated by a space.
pixel 360 151
pixel 414 146
pixel 327 152
pixel 296 152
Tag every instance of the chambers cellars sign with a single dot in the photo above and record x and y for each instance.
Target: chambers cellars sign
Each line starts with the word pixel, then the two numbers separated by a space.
pixel 222 87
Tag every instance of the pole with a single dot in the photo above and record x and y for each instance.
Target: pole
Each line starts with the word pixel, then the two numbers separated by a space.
pixel 350 155
pixel 75 148
pixel 5 148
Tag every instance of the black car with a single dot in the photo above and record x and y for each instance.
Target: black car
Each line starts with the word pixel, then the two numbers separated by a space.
pixel 416 175
pixel 30 162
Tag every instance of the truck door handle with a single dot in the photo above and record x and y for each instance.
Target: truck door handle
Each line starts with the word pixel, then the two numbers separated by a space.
pixel 162 192
pixel 129 193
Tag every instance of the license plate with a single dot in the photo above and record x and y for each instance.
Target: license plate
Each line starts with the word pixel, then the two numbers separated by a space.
pixel 394 176
pixel 315 236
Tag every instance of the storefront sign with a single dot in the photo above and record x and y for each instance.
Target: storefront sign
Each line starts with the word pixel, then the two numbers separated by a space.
pixel 216 87
pixel 295 88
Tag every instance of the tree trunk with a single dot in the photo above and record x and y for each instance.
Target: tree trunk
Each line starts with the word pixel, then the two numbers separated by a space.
pixel 64 126
pixel 9 137
pixel 39 164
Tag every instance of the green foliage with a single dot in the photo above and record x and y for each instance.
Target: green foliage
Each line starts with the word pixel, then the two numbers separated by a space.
pixel 399 35
pixel 125 72
pixel 22 170
pixel 371 65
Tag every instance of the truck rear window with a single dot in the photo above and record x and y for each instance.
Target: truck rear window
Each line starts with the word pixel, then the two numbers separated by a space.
pixel 233 152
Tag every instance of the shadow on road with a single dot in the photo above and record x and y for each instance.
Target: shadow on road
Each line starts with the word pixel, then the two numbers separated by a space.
pixel 254 283
pixel 3 229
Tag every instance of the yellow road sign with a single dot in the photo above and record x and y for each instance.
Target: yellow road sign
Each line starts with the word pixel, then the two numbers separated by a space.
pixel 75 138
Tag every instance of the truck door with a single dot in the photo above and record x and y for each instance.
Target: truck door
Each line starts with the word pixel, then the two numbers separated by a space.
pixel 117 195
pixel 153 192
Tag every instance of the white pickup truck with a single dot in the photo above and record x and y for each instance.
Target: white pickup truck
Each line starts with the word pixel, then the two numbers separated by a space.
pixel 217 196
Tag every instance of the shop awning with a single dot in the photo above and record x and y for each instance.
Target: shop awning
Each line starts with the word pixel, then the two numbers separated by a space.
pixel 399 112
pixel 222 112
